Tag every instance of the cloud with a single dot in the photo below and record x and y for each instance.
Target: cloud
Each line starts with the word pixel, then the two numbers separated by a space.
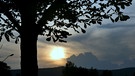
pixel 129 10
pixel 111 42
pixel 89 60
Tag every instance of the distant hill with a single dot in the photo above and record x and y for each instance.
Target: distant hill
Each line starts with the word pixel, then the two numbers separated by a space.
pixel 51 71
pixel 57 71
pixel 124 72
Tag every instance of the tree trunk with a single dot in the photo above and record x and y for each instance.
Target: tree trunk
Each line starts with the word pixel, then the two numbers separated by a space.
pixel 29 35
pixel 29 66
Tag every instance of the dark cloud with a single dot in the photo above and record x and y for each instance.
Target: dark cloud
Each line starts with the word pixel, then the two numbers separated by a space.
pixel 89 60
pixel 113 42
pixel 117 25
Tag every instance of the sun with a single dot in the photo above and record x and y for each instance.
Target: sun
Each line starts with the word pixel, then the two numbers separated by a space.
pixel 57 53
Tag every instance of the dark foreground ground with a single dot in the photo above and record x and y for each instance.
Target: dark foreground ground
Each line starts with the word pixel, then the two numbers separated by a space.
pixel 57 71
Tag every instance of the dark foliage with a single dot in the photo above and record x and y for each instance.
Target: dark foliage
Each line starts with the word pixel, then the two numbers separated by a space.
pixel 63 14
pixel 71 70
pixel 4 69
pixel 107 73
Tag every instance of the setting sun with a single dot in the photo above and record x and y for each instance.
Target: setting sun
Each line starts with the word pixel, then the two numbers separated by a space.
pixel 57 53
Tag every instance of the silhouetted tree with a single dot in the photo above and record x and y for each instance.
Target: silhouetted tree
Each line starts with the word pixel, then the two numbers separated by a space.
pixel 93 72
pixel 107 73
pixel 70 64
pixel 4 69
pixel 72 70
pixel 69 69
pixel 30 18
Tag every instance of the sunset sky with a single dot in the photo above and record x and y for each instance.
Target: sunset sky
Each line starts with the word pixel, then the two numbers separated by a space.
pixel 106 46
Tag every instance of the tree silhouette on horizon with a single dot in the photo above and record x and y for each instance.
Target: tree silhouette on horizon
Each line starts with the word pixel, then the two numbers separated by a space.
pixel 71 69
pixel 4 69
pixel 107 73
pixel 25 20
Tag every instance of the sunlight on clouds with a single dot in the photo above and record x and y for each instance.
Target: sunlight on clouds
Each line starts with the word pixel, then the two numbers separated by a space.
pixel 51 55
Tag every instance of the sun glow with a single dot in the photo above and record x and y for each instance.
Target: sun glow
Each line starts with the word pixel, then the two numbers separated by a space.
pixel 57 53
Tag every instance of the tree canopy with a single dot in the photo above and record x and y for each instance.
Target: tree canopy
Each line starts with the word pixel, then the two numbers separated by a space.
pixel 53 18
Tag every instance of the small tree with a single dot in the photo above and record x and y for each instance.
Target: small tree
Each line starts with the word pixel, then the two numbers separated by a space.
pixel 107 73
pixel 4 69
pixel 93 72
pixel 30 18
pixel 69 69
pixel 72 70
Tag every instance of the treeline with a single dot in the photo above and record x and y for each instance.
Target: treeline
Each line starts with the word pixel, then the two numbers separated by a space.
pixel 72 70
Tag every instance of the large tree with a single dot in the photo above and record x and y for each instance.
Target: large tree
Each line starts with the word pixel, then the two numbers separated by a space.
pixel 24 20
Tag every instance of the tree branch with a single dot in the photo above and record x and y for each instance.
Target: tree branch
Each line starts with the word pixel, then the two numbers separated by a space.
pixel 13 20
pixel 49 12
pixel 8 23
